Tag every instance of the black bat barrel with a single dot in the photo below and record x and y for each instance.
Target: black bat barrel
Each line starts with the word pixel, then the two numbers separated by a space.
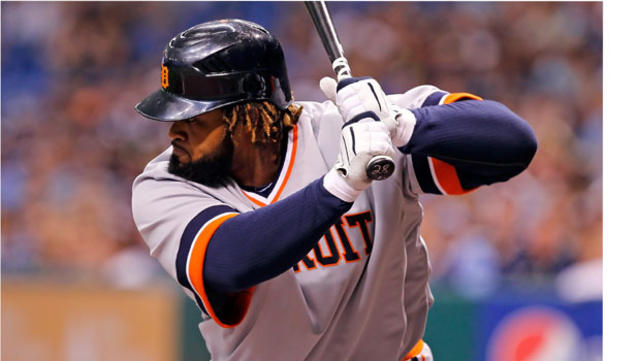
pixel 322 21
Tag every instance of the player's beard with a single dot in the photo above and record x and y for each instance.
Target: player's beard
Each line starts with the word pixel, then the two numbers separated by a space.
pixel 212 170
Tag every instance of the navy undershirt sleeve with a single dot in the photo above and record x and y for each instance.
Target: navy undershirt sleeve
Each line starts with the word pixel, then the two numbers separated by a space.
pixel 259 245
pixel 484 140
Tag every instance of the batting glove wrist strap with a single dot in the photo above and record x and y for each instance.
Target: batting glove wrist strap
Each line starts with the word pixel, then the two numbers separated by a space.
pixel 359 143
pixel 335 183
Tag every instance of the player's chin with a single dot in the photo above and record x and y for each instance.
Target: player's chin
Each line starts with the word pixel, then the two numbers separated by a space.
pixel 176 164
pixel 181 155
pixel 182 160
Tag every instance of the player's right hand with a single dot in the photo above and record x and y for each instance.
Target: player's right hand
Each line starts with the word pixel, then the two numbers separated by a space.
pixel 360 142
pixel 357 98
pixel 363 98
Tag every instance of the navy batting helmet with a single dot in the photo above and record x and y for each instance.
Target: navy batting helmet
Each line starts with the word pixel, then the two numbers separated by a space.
pixel 215 64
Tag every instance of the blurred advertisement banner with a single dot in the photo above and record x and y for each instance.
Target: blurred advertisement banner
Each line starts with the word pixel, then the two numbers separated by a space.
pixel 514 327
pixel 527 331
pixel 55 321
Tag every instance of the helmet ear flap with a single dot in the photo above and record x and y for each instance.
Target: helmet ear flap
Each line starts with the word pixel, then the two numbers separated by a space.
pixel 254 85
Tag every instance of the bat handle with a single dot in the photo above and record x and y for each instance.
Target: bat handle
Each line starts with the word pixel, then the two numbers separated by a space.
pixel 341 67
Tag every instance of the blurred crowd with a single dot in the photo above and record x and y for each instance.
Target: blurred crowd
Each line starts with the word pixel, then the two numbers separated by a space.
pixel 72 142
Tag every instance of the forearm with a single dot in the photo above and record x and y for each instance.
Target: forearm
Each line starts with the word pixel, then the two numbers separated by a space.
pixel 259 245
pixel 484 140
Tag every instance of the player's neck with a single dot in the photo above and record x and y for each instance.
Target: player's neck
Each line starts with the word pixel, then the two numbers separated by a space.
pixel 256 165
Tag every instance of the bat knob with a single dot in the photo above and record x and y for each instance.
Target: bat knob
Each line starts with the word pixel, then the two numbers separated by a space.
pixel 380 167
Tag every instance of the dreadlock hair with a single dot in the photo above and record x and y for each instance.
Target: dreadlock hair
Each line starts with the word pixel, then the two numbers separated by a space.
pixel 266 122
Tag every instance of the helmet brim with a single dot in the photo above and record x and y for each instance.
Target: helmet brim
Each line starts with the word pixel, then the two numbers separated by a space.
pixel 167 107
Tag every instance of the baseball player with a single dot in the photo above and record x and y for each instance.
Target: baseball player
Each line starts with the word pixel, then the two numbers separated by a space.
pixel 262 210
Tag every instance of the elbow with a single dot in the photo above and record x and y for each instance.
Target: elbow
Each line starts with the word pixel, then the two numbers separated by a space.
pixel 520 138
pixel 518 155
pixel 523 145
pixel 527 144
pixel 240 281
pixel 225 279
pixel 227 285
pixel 518 141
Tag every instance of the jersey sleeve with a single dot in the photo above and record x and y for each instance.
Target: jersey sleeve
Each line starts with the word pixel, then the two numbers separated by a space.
pixel 177 220
pixel 424 174
pixel 434 175
pixel 461 142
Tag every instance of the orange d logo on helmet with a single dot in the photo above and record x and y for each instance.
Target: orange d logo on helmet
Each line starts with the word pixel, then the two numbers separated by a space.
pixel 164 81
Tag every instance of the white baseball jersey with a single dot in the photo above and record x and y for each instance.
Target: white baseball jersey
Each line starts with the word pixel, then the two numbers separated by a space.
pixel 362 293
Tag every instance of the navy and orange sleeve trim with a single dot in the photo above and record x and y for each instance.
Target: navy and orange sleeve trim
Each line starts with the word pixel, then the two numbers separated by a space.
pixel 434 98
pixel 192 251
pixel 458 145
pixel 434 175
pixel 440 97
pixel 437 177
pixel 444 175
pixel 454 97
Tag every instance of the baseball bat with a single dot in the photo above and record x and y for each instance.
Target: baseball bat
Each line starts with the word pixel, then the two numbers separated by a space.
pixel 381 166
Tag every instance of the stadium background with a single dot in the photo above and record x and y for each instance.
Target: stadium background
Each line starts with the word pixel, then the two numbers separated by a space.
pixel 517 266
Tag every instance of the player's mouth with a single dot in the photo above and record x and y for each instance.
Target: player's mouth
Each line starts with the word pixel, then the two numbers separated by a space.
pixel 180 152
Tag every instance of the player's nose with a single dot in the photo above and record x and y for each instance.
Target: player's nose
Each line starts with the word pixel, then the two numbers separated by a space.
pixel 177 131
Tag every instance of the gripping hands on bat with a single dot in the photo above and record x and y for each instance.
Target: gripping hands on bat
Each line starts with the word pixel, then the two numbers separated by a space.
pixel 372 127
pixel 361 99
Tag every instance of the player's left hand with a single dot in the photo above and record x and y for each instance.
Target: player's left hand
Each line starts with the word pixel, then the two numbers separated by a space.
pixel 361 142
pixel 362 98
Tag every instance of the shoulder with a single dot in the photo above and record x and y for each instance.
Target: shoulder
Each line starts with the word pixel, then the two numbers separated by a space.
pixel 155 176
pixel 157 193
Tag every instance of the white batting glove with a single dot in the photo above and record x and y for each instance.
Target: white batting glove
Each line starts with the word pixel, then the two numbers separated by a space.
pixel 360 143
pixel 363 98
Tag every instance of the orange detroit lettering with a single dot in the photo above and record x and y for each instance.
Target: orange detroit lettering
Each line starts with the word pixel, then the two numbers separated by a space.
pixel 317 259
pixel 164 79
